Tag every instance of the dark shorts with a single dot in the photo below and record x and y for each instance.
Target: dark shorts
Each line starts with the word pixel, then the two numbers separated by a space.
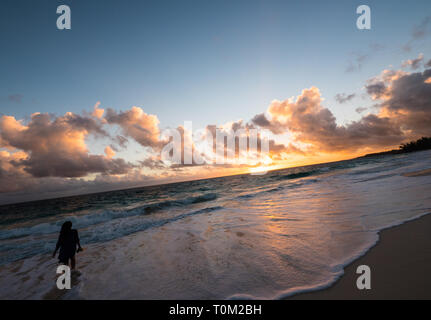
pixel 66 254
pixel 65 259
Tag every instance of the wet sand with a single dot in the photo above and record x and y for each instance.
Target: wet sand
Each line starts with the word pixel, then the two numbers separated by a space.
pixel 400 266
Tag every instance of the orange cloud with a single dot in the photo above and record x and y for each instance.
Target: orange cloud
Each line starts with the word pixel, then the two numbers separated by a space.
pixel 109 152
pixel 407 102
pixel 314 125
pixel 142 127
pixel 404 113
pixel 414 63
pixel 56 147
pixel 98 112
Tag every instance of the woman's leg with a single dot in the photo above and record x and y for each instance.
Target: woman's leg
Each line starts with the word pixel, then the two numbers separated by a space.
pixel 73 262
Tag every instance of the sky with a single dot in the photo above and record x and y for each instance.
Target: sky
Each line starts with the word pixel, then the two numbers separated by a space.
pixel 127 70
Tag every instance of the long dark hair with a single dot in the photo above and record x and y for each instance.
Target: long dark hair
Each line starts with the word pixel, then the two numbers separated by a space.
pixel 66 229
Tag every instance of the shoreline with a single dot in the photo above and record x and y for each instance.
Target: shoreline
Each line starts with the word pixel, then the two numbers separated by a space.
pixel 400 264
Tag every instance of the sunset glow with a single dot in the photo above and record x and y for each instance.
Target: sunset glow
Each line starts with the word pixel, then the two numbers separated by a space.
pixel 116 137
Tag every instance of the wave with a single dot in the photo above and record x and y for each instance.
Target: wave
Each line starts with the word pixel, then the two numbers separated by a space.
pixel 255 194
pixel 12 251
pixel 91 219
pixel 129 227
pixel 292 185
pixel 297 175
pixel 383 176
pixel 173 203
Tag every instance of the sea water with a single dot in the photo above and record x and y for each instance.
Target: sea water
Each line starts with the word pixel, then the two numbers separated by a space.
pixel 244 236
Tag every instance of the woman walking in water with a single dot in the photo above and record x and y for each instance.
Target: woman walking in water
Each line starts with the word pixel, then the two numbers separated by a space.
pixel 67 242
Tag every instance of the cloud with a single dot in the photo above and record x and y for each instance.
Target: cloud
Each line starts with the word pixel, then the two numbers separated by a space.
pixel 121 141
pixel 377 87
pixel 244 131
pixel 98 112
pixel 358 59
pixel 414 63
pixel 17 98
pixel 407 101
pixel 421 30
pixel 153 162
pixel 418 32
pixel 189 153
pixel 48 154
pixel 360 109
pixel 356 63
pixel 311 123
pixel 55 147
pixel 428 64
pixel 109 152
pixel 343 98
pixel 235 144
pixel 18 187
pixel 12 178
pixel 261 121
pixel 135 123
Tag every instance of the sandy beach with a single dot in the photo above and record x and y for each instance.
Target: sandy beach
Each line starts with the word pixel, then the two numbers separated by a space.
pixel 400 265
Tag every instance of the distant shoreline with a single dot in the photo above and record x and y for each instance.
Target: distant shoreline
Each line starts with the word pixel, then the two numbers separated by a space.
pixel 414 146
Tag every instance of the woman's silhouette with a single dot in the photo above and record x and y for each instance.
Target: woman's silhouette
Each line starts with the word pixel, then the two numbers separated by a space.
pixel 67 242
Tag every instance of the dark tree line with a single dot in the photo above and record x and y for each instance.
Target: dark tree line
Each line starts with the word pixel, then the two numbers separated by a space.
pixel 421 144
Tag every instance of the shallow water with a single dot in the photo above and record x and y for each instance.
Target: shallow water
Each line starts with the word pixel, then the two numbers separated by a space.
pixel 234 237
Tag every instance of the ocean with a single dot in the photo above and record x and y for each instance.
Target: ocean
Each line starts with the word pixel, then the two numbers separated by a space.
pixel 238 237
